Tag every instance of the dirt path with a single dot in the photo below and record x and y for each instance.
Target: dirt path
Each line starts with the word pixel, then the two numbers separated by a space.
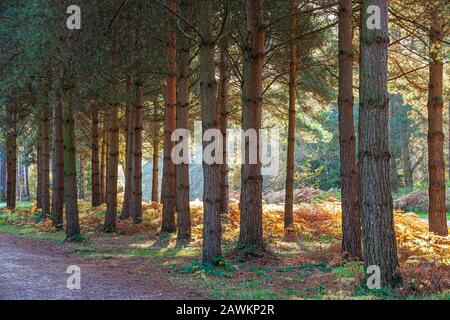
pixel 35 269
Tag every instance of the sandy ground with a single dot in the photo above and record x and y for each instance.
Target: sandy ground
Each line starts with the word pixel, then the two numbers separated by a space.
pixel 36 269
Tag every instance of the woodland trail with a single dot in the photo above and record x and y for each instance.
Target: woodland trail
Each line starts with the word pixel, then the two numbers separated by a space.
pixel 35 269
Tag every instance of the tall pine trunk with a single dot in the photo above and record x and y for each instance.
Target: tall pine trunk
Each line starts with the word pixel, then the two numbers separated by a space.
pixel 224 75
pixel 380 248
pixel 129 134
pixel 129 124
pixel 104 157
pixel 182 169
pixel 70 169
pixel 289 197
pixel 436 165
pixel 155 155
pixel 113 156
pixel 251 231
pixel 45 164
pixel 11 160
pixel 405 148
pixel 81 194
pixel 212 232
pixel 2 171
pixel 39 168
pixel 137 127
pixel 58 164
pixel 168 190
pixel 351 220
pixel 95 162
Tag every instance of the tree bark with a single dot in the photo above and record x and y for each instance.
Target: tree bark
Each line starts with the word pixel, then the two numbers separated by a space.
pixel 104 157
pixel 70 171
pixel 129 123
pixel 2 172
pixel 81 181
pixel 224 74
pixel 289 195
pixel 251 231
pixel 155 155
pixel 380 248
pixel 137 127
pixel 11 160
pixel 39 169
pixel 113 156
pixel 212 232
pixel 45 165
pixel 58 165
pixel 436 165
pixel 95 162
pixel 351 221
pixel 168 190
pixel 183 83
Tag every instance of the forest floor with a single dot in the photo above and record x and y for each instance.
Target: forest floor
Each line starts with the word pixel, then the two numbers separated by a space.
pixel 304 264
pixel 36 269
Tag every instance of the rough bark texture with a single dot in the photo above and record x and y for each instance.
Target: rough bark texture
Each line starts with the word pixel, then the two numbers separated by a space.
pixel 129 134
pixel 104 157
pixel 183 83
pixel 45 164
pixel 289 195
pixel 351 218
pixel 436 165
pixel 11 160
pixel 380 248
pixel 129 123
pixel 212 231
pixel 2 172
pixel 113 156
pixel 224 75
pixel 58 164
pixel 70 170
pixel 251 231
pixel 168 190
pixel 81 193
pixel 137 127
pixel 95 161
pixel 38 169
pixel 155 155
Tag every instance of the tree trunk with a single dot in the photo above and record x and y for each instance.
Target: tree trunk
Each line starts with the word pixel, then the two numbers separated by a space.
pixel 182 169
pixel 380 248
pixel 58 165
pixel 168 190
pixel 113 156
pixel 251 231
pixel 70 170
pixel 104 157
pixel 155 156
pixel 11 159
pixel 212 232
pixel 95 162
pixel 26 181
pixel 351 221
pixel 45 165
pixel 289 196
pixel 39 169
pixel 129 123
pixel 137 127
pixel 223 117
pixel 2 172
pixel 436 164
pixel 129 134
pixel 81 181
